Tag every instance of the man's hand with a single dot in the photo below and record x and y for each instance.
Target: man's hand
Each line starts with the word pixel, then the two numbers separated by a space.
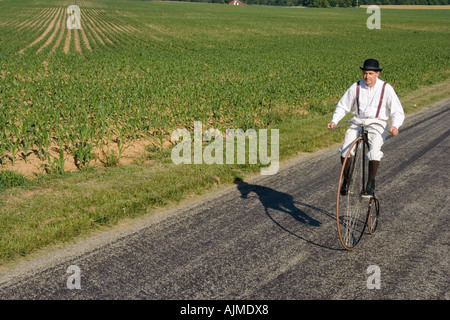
pixel 393 130
pixel 331 125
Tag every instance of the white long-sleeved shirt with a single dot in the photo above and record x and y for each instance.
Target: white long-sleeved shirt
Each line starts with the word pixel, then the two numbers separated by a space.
pixel 369 99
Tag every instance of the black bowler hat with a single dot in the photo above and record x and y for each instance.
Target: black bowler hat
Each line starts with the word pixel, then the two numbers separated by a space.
pixel 371 64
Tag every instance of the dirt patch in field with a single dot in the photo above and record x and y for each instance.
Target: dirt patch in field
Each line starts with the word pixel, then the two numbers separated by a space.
pixel 66 47
pixel 30 165
pixel 55 15
pixel 49 24
pixel 94 35
pixel 85 39
pixel 59 17
pixel 77 41
pixel 56 20
pixel 61 33
pixel 52 23
pixel 97 28
pixel 35 20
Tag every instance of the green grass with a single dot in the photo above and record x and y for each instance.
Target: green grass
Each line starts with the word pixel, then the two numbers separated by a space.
pixel 248 67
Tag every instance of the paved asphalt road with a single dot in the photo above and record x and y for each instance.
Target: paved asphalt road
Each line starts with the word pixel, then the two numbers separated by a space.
pixel 274 237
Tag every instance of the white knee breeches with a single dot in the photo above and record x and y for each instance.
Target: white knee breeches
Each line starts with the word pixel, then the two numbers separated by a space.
pixel 377 130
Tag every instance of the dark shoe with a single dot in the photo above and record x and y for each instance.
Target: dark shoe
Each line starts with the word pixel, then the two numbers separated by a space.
pixel 370 187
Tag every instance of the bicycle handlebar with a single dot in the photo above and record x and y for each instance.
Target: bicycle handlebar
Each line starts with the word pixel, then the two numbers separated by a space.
pixel 337 127
pixel 349 121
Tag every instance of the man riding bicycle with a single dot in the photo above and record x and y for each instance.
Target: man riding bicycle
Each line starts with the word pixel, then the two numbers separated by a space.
pixel 374 101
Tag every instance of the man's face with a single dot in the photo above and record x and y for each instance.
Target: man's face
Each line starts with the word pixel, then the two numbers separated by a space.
pixel 370 77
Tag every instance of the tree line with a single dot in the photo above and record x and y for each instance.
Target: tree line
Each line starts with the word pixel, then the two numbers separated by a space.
pixel 330 3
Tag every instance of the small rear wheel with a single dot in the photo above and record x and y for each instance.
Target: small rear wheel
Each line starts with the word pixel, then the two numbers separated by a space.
pixel 373 215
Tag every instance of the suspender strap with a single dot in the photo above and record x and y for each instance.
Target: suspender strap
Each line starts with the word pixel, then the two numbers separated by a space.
pixel 381 100
pixel 357 96
pixel 379 104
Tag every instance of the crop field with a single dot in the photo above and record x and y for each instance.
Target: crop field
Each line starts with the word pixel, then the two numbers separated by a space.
pixel 137 70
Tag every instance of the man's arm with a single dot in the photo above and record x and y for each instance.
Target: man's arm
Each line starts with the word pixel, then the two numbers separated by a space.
pixel 396 110
pixel 344 106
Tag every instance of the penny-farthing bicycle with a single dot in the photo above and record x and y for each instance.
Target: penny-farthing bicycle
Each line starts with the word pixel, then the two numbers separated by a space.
pixel 355 211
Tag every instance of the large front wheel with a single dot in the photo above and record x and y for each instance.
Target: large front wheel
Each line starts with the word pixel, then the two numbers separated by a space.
pixel 351 209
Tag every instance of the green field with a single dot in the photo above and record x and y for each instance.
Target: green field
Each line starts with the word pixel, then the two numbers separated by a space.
pixel 137 70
